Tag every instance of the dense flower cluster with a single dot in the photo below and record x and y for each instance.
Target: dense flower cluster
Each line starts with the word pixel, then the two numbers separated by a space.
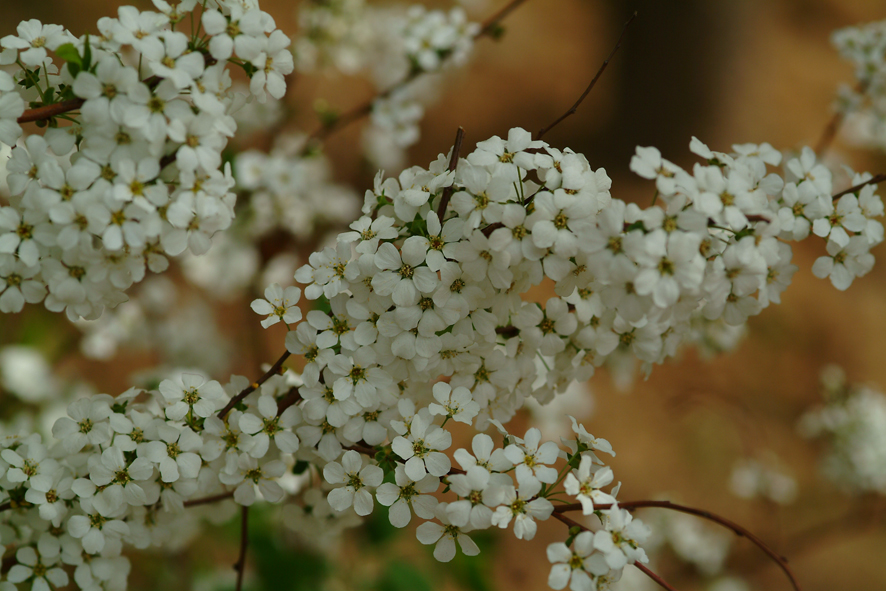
pixel 138 175
pixel 421 318
pixel 853 423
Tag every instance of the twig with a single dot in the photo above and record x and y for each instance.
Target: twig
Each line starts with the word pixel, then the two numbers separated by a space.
pixel 489 27
pixel 275 369
pixel 737 529
pixel 6 506
pixel 453 163
pixel 209 500
pixel 871 181
pixel 50 111
pixel 661 582
pixel 240 565
pixel 830 130
pixel 288 399
pixel 587 91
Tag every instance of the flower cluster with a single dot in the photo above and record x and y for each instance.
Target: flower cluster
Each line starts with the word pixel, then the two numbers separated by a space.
pixel 290 191
pixel 853 423
pixel 137 175
pixel 865 102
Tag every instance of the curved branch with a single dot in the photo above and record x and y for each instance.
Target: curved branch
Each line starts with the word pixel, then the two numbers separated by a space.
pixel 6 506
pixel 871 181
pixel 572 524
pixel 209 500
pixel 275 370
pixel 587 91
pixel 737 529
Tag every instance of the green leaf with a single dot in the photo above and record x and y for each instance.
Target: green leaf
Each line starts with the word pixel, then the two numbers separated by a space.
pixel 69 53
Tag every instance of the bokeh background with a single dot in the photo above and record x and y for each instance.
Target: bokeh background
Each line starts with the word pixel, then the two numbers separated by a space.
pixel 726 72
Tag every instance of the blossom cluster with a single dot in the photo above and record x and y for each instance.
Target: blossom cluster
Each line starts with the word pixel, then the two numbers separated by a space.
pixel 121 471
pixel 392 45
pixel 853 423
pixel 864 102
pixel 137 175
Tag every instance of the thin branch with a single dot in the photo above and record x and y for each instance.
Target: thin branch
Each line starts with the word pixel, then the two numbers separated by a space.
pixel 488 29
pixel 209 500
pixel 872 181
pixel 571 523
pixel 275 370
pixel 830 130
pixel 737 529
pixel 291 397
pixel 6 506
pixel 240 565
pixel 661 582
pixel 492 24
pixel 587 91
pixel 453 163
pixel 50 111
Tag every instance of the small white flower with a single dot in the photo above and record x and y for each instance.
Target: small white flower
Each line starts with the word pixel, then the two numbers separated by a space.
pixel 279 304
pixel 445 536
pixel 355 477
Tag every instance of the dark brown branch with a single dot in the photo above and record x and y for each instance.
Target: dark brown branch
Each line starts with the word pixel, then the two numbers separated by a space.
pixel 209 500
pixel 50 111
pixel 587 91
pixel 453 163
pixel 275 370
pixel 661 582
pixel 240 565
pixel 6 506
pixel 872 181
pixel 293 396
pixel 737 529
pixel 488 230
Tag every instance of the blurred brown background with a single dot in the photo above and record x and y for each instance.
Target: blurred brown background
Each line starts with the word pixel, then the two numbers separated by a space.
pixel 727 72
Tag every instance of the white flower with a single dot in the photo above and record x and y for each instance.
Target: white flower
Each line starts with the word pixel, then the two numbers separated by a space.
pixel 454 403
pixel 355 477
pixel 269 427
pixel 174 453
pixel 408 493
pixel 86 426
pixel 279 304
pixel 445 536
pixel 273 63
pixel 421 449
pixel 530 459
pixel 580 565
pixel 844 263
pixel 192 396
pixel 586 482
pixel 518 504
pixel 620 540
pixel 39 569
pixel 246 472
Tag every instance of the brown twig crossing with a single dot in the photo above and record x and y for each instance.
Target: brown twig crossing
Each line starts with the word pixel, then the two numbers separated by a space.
pixel 453 163
pixel 275 370
pixel 871 181
pixel 737 529
pixel 587 91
